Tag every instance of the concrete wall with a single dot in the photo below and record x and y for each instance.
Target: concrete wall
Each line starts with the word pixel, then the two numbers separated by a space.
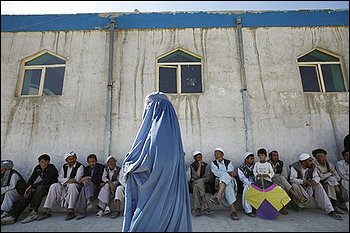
pixel 76 120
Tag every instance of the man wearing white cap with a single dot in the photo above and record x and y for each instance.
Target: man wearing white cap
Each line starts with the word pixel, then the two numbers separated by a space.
pixel 305 181
pixel 245 174
pixel 223 170
pixel 200 177
pixel 67 189
pixel 110 180
pixel 280 178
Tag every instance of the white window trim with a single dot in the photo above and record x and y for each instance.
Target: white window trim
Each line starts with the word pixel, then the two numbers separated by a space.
pixel 24 67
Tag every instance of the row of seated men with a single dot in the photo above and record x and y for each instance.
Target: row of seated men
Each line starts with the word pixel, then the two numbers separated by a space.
pixel 74 187
pixel 308 178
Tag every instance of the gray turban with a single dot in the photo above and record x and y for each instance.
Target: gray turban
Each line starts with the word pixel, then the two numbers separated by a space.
pixel 8 164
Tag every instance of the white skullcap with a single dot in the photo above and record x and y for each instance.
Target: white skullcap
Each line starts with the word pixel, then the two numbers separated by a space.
pixel 246 154
pixel 219 149
pixel 304 156
pixel 108 158
pixel 196 153
pixel 71 153
pixel 271 150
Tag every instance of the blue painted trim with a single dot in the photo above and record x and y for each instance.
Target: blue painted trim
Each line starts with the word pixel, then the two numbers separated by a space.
pixel 16 23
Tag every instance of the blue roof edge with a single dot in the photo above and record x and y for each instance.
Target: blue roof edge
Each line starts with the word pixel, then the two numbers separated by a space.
pixel 99 21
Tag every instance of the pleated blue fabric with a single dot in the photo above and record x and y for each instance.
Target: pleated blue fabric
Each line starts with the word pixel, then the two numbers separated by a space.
pixel 156 191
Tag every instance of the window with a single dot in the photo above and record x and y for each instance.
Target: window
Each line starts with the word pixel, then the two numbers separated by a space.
pixel 41 75
pixel 321 72
pixel 179 72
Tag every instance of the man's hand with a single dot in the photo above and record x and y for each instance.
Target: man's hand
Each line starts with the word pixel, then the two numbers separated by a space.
pixel 27 192
pixel 71 180
pixel 233 174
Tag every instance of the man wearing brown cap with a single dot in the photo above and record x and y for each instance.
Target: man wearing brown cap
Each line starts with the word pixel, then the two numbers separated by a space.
pixel 200 177
pixel 306 181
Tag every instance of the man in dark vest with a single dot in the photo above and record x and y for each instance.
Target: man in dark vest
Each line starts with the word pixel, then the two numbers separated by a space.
pixel 91 185
pixel 306 182
pixel 67 189
pixel 12 186
pixel 200 177
pixel 224 172
pixel 43 175
pixel 281 178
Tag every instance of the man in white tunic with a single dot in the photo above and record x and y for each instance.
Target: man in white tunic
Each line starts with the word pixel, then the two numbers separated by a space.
pixel 110 180
pixel 66 191
pixel 223 170
pixel 306 181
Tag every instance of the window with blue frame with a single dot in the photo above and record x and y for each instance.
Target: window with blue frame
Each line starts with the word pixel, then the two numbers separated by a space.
pixel 321 72
pixel 179 71
pixel 42 74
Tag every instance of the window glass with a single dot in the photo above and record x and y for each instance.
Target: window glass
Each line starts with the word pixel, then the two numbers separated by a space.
pixel 46 59
pixel 178 56
pixel 31 82
pixel 317 56
pixel 333 78
pixel 53 81
pixel 191 81
pixel 167 79
pixel 309 78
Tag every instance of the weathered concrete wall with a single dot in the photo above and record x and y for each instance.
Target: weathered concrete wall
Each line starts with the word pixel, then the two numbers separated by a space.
pixel 54 124
pixel 76 120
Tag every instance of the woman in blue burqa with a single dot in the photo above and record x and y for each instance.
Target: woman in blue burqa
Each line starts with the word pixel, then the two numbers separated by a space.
pixel 156 191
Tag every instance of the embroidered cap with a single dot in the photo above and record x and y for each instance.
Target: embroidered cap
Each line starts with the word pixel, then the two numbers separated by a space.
pixel 304 156
pixel 219 149
pixel 246 154
pixel 197 152
pixel 71 153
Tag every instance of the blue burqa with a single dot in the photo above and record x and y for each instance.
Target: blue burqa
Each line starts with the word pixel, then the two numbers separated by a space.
pixel 156 191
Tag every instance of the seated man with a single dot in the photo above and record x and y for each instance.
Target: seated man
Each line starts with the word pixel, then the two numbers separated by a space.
pixel 342 167
pixel 200 177
pixel 246 176
pixel 223 170
pixel 12 186
pixel 67 189
pixel 110 181
pixel 92 183
pixel 44 174
pixel 329 178
pixel 306 182
pixel 280 178
pixel 119 195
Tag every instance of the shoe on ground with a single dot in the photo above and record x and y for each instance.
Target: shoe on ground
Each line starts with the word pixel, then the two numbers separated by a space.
pixel 7 220
pixel 215 201
pixel 107 210
pixel 197 212
pixel 338 210
pixel 300 205
pixel 334 215
pixel 30 218
pixel 70 216
pixel 115 215
pixel 4 214
pixel 99 213
pixel 284 211
pixel 80 216
pixel 251 214
pixel 43 216
pixel 208 211
pixel 234 216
